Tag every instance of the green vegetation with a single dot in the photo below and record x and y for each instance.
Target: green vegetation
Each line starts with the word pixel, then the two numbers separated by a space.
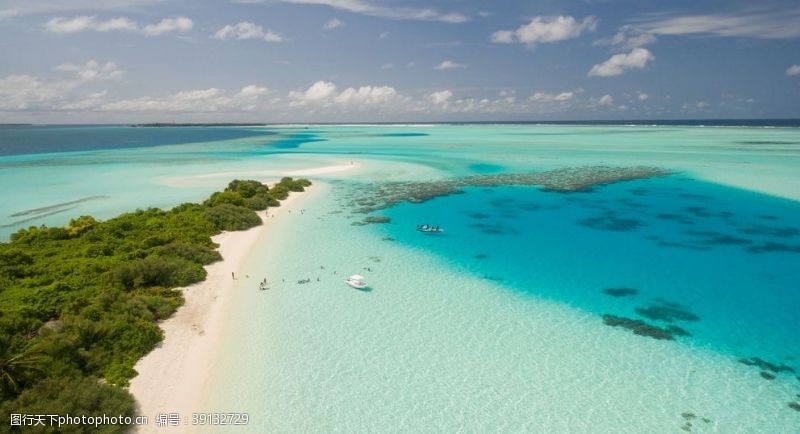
pixel 80 304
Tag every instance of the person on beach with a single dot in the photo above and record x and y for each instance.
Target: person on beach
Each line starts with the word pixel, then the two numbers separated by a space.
pixel 233 277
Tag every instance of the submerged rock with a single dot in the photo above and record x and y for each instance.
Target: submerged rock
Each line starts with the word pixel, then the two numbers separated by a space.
pixel 767 366
pixel 380 196
pixel 639 327
pixel 667 312
pixel 620 292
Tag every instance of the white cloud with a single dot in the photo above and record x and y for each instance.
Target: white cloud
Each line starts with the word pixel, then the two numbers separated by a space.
pixel 440 97
pixel 334 23
pixel 606 101
pixel 544 97
pixel 319 91
pixel 84 23
pixel 642 96
pixel 793 70
pixel 194 101
pixel 760 24
pixel 449 64
pixel 398 13
pixel 619 63
pixel 541 30
pixel 387 66
pixel 92 70
pixel 247 30
pixel 628 38
pixel 366 95
pixel 383 35
pixel 21 92
pixel 324 94
pixel 12 8
pixel 177 24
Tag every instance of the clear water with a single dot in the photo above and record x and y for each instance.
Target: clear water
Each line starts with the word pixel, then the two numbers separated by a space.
pixel 494 325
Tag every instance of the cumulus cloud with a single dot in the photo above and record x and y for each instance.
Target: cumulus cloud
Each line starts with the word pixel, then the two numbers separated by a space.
pixel 177 24
pixel 606 101
pixel 84 23
pixel 793 70
pixel 397 13
pixel 641 96
pixel 542 30
pixel 619 63
pixel 366 95
pixel 440 97
pixel 194 101
pixel 628 38
pixel 92 70
pixel 319 91
pixel 334 23
pixel 760 24
pixel 74 88
pixel 324 94
pixel 449 64
pixel 247 30
pixel 545 97
pixel 387 66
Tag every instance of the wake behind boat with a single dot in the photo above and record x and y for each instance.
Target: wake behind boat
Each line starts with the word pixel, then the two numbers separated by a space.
pixel 429 229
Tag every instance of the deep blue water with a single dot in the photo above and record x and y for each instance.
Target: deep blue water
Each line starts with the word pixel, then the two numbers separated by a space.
pixel 727 260
pixel 20 140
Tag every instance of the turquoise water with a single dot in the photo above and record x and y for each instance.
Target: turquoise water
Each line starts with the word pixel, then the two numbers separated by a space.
pixel 497 323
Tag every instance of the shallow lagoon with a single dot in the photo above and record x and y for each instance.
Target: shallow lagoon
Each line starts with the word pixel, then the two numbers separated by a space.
pixel 497 324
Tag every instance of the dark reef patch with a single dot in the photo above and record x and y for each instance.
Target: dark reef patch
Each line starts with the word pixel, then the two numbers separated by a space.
pixel 481 256
pixel 794 406
pixel 779 232
pixel 718 238
pixel 529 206
pixel 609 221
pixel 693 196
pixel 681 245
pixel 667 312
pixel 478 215
pixel 377 219
pixel 373 197
pixel 678 218
pixel 640 327
pixel 767 375
pixel 620 292
pixel 771 246
pixel 766 366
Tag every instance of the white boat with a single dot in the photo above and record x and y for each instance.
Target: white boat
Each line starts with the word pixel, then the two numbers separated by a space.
pixel 429 229
pixel 356 281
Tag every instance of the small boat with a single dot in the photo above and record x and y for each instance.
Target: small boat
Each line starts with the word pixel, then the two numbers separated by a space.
pixel 356 281
pixel 429 229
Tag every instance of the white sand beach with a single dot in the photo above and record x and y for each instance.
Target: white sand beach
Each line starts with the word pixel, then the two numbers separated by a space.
pixel 172 377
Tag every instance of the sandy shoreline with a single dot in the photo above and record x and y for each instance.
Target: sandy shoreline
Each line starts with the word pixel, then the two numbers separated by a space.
pixel 173 376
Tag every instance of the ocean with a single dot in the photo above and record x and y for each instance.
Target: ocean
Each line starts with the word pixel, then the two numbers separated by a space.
pixel 650 305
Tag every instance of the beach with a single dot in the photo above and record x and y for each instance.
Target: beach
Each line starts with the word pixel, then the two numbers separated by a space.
pixel 173 377
pixel 646 305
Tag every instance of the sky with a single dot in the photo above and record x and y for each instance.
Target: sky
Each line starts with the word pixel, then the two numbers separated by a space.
pixel 124 61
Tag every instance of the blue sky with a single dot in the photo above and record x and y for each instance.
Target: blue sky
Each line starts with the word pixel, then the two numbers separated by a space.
pixel 396 60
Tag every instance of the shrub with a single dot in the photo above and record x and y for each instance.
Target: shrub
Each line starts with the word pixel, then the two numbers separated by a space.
pixel 231 217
